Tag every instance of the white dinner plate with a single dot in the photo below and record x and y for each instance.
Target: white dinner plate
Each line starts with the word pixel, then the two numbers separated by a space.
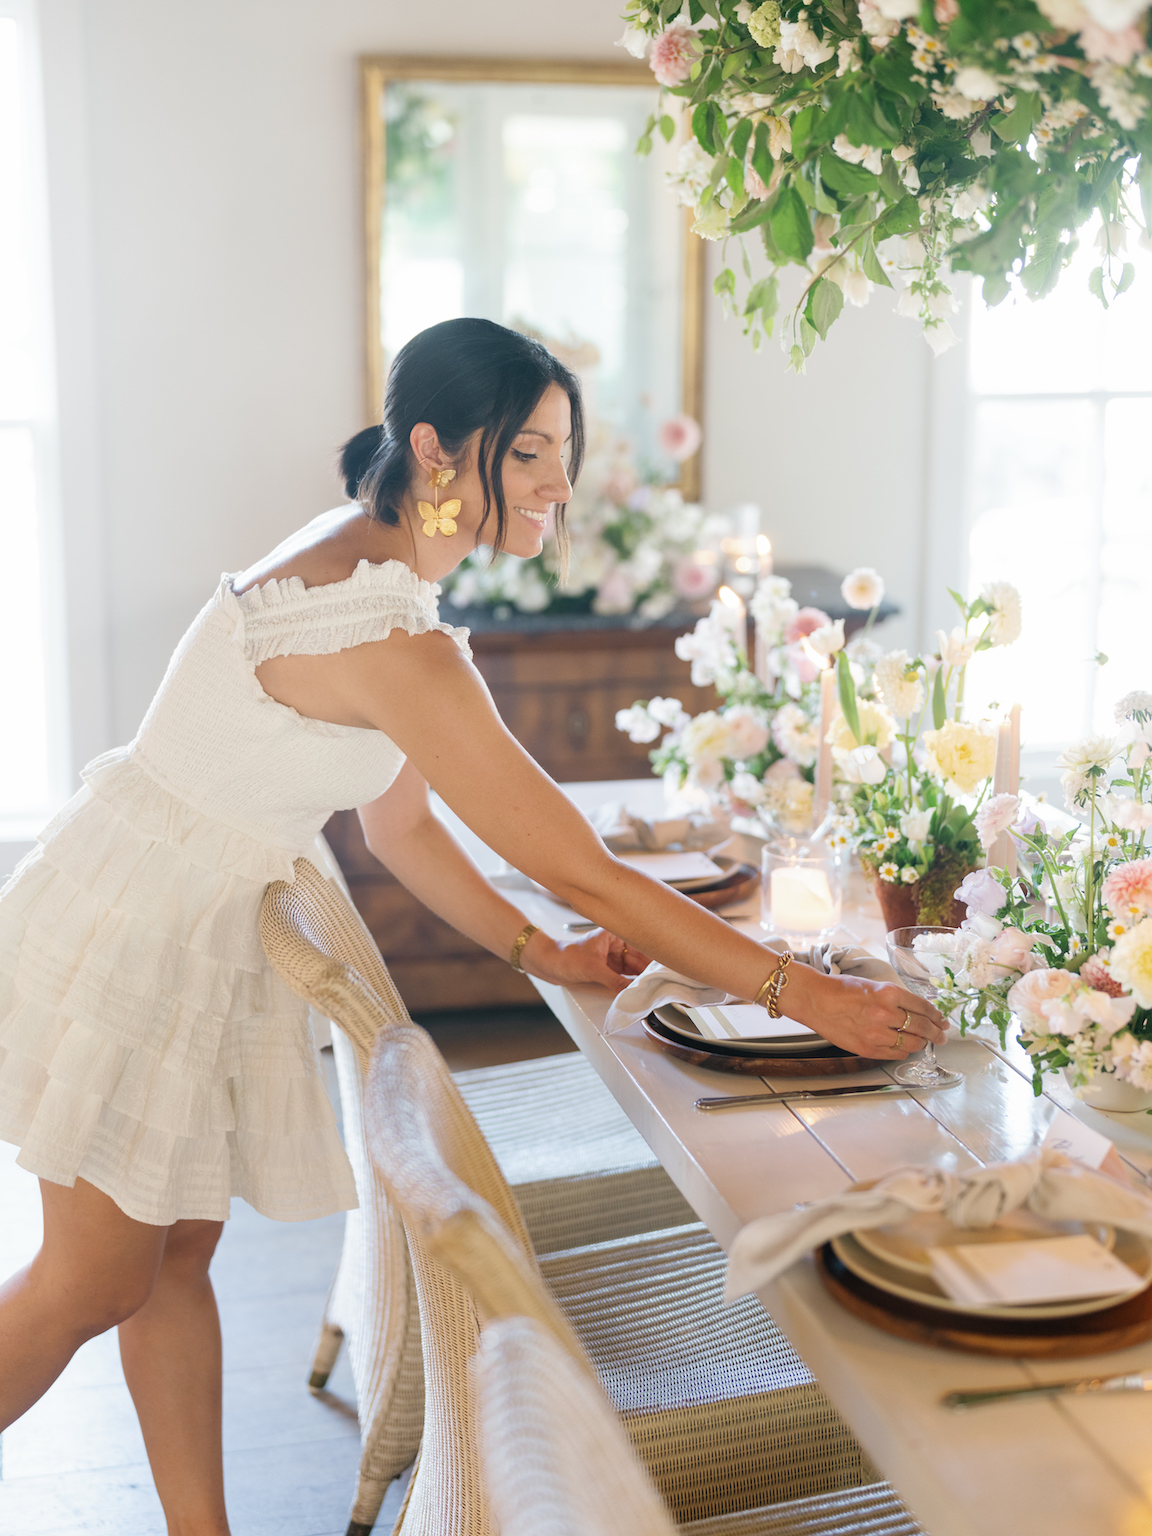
pixel 1129 1247
pixel 677 1021
pixel 904 1245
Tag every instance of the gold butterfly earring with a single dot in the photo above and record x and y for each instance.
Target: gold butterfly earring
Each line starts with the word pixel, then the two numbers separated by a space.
pixel 439 518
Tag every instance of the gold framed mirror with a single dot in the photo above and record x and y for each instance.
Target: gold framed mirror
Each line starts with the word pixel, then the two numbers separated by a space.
pixel 509 188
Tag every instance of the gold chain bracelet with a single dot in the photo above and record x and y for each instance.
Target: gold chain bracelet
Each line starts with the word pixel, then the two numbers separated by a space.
pixel 769 993
pixel 518 948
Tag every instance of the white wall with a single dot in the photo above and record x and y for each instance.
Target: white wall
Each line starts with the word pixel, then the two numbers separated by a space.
pixel 204 164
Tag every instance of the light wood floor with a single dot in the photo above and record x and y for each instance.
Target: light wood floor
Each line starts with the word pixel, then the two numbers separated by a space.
pixel 75 1465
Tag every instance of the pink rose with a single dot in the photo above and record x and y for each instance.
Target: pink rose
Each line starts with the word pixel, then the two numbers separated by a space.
pixel 945 11
pixel 1110 47
pixel 673 54
pixel 1026 995
pixel 680 437
pixel 804 622
pixel 692 581
pixel 1012 948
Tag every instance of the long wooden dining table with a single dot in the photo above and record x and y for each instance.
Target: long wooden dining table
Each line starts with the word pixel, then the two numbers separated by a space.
pixel 1067 1466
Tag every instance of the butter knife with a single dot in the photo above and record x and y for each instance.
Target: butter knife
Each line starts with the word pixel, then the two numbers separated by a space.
pixel 1141 1381
pixel 847 1091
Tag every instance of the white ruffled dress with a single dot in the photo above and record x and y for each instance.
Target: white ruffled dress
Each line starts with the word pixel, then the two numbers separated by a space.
pixel 145 1043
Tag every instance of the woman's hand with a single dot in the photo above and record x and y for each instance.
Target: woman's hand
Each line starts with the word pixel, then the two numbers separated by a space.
pixel 599 958
pixel 868 1018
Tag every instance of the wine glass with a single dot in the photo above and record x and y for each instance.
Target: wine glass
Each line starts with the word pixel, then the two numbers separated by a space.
pixel 916 977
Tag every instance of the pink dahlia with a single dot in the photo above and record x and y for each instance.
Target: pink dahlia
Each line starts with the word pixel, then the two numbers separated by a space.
pixel 1096 973
pixel 1128 889
pixel 804 622
pixel 673 54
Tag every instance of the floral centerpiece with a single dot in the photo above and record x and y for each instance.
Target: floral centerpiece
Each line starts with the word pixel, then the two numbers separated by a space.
pixel 912 796
pixel 634 543
pixel 888 142
pixel 755 755
pixel 1066 943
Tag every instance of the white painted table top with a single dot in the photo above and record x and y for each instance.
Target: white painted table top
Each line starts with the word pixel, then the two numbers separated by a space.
pixel 1063 1467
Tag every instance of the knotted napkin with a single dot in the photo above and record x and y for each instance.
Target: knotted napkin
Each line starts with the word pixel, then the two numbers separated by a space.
pixel 658 986
pixel 623 832
pixel 1046 1182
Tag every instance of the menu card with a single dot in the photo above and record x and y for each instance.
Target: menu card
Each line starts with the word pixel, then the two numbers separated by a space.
pixel 1047 1269
pixel 745 1021
pixel 673 866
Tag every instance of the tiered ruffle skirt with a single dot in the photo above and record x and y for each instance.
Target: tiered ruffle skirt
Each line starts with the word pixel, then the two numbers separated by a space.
pixel 145 1043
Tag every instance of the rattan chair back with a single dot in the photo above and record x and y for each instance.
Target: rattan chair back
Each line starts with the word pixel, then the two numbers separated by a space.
pixel 471 1258
pixel 556 1458
pixel 316 942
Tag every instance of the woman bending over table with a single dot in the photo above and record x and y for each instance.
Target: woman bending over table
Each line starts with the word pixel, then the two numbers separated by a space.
pixel 152 1066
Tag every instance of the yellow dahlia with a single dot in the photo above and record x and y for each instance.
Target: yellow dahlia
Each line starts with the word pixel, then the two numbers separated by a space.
pixel 963 754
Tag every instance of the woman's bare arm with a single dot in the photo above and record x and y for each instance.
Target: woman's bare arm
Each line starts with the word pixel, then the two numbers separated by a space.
pixel 402 832
pixel 423 693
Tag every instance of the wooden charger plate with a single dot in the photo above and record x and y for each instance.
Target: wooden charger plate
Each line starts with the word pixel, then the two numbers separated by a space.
pixel 833 1064
pixel 1057 1338
pixel 737 884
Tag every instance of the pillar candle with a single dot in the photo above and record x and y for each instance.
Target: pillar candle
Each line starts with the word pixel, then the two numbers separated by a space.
pixel 823 796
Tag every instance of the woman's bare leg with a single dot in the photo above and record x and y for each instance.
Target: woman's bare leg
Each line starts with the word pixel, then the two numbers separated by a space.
pixel 95 1267
pixel 171 1354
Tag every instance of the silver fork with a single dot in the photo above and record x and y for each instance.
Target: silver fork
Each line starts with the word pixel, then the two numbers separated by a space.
pixel 1141 1381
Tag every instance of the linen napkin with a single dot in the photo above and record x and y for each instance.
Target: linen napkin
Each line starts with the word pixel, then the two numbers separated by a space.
pixel 1046 1182
pixel 659 985
pixel 623 832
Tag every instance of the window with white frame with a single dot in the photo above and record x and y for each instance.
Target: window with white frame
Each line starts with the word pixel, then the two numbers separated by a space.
pixel 31 692
pixel 1059 495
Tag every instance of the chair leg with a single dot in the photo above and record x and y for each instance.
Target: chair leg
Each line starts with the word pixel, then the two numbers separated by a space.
pixel 324 1359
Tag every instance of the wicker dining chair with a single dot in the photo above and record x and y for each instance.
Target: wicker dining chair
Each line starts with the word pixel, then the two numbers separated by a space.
pixel 579 1168
pixel 719 1407
pixel 544 1426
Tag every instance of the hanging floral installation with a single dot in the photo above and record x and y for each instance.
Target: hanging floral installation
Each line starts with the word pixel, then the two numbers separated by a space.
pixel 892 142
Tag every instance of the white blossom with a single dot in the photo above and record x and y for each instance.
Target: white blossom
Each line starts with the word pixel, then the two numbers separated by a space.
pixel 898 684
pixel 1004 622
pixel 828 639
pixel 915 825
pixel 669 712
pixel 956 649
pixel 863 588
pixel 977 84
pixel 638 723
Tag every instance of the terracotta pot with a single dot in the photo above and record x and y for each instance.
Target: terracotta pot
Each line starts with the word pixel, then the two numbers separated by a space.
pixel 900 905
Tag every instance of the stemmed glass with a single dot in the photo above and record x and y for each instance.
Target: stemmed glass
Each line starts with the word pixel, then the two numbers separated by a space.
pixel 916 977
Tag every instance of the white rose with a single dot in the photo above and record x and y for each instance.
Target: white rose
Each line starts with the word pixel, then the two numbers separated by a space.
pixel 976 84
pixel 747 787
pixel 897 10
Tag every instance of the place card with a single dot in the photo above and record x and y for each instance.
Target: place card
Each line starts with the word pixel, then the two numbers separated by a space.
pixel 1048 1269
pixel 673 866
pixel 745 1021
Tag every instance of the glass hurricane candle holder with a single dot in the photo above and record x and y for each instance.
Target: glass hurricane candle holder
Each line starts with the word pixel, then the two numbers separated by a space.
pixel 801 892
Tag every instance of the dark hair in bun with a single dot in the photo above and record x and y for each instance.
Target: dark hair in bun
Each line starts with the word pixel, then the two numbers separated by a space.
pixel 461 376
pixel 355 457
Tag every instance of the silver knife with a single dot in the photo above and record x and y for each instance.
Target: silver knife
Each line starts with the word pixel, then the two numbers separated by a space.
pixel 1141 1381
pixel 844 1092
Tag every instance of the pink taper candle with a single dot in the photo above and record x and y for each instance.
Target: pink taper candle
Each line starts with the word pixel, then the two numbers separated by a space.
pixel 823 796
